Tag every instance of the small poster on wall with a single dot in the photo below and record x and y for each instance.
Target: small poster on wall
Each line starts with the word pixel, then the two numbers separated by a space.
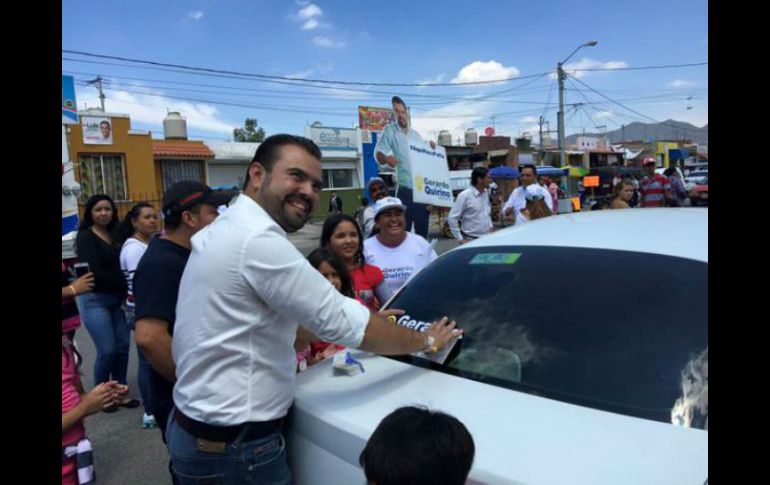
pixel 96 130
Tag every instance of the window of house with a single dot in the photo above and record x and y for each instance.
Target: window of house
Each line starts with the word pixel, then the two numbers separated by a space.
pixel 103 174
pixel 174 171
pixel 340 178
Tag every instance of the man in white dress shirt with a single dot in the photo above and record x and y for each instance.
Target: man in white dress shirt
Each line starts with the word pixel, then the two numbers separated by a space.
pixel 517 200
pixel 244 291
pixel 472 209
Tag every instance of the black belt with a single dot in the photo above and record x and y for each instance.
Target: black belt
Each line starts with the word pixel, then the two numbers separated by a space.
pixel 254 430
pixel 465 235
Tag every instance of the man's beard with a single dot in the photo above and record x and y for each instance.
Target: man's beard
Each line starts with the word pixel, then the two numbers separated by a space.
pixel 276 208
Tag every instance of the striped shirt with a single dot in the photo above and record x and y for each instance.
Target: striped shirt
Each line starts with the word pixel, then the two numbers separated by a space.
pixel 654 191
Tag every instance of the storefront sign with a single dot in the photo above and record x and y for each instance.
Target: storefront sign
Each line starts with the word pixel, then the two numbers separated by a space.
pixel 339 138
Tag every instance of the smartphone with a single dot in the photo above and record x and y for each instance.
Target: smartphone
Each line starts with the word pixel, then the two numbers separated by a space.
pixel 81 269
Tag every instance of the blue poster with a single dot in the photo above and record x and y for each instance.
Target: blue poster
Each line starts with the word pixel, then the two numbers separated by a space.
pixel 69 107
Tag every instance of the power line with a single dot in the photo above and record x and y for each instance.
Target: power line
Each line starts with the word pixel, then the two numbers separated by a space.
pixel 645 68
pixel 287 78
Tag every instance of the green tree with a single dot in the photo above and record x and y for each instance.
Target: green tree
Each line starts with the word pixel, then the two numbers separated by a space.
pixel 249 132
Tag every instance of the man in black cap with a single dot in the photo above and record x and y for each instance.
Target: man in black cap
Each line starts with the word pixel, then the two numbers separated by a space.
pixel 188 207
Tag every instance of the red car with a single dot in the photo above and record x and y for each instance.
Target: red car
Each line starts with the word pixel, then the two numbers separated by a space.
pixel 699 195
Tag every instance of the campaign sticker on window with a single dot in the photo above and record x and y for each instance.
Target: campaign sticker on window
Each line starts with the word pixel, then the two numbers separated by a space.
pixel 495 258
pixel 408 322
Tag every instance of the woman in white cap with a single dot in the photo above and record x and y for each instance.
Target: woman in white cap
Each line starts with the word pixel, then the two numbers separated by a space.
pixel 399 253
pixel 535 208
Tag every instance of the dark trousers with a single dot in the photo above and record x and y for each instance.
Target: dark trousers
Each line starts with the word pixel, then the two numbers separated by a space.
pixel 415 213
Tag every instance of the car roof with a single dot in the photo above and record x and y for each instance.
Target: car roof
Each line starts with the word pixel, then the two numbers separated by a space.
pixel 678 232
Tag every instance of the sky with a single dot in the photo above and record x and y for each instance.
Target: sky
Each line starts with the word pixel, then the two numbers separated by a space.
pixel 390 42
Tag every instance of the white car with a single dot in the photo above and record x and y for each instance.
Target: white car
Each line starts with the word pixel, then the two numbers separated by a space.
pixel 584 359
pixel 695 178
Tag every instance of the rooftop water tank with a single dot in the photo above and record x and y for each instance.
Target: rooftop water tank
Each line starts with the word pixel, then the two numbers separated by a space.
pixel 445 138
pixel 471 137
pixel 174 126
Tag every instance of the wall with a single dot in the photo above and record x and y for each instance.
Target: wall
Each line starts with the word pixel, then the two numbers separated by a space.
pixel 136 149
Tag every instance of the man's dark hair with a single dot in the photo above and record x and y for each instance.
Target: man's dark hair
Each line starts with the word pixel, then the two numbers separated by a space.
pixel 396 99
pixel 415 445
pixel 532 167
pixel 270 149
pixel 477 174
pixel 173 222
pixel 669 171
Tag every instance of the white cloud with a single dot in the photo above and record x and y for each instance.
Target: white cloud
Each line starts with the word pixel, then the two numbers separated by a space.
pixel 456 118
pixel 433 80
pixel 327 42
pixel 195 16
pixel 484 71
pixel 604 114
pixel 586 63
pixel 312 10
pixel 681 84
pixel 529 119
pixel 301 74
pixel 311 24
pixel 151 109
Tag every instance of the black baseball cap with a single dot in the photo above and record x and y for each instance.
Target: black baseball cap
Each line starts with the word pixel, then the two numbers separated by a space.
pixel 187 193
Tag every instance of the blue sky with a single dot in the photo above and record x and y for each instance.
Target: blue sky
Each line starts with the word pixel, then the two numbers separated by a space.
pixel 391 42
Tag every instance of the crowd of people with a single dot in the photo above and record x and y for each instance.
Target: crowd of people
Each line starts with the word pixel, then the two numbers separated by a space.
pixel 225 310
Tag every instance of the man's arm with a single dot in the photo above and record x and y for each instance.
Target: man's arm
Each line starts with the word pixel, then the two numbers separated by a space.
pixel 153 338
pixel 385 144
pixel 454 217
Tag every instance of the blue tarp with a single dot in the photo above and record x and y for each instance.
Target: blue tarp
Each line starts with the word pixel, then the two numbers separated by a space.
pixel 550 171
pixel 504 172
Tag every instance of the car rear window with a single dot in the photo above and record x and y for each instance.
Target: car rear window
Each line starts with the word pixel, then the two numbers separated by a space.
pixel 620 331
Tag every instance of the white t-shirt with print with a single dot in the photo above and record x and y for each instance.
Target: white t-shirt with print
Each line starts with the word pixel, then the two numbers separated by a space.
pixel 400 263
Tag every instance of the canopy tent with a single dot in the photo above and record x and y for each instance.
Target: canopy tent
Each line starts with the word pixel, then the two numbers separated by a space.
pixel 576 172
pixel 550 171
pixel 504 172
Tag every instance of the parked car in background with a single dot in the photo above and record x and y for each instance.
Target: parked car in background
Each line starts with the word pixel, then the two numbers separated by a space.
pixel 695 178
pixel 584 358
pixel 699 195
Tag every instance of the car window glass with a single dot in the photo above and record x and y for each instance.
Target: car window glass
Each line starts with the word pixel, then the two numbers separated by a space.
pixel 614 330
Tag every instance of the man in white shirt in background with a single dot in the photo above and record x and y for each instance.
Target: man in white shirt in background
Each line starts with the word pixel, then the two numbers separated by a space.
pixel 243 293
pixel 472 209
pixel 517 201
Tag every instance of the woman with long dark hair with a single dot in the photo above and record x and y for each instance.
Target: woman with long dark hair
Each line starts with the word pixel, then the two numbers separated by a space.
pixel 134 235
pixel 101 310
pixel 342 235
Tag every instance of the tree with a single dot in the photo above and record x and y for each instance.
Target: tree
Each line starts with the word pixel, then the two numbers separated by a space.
pixel 249 132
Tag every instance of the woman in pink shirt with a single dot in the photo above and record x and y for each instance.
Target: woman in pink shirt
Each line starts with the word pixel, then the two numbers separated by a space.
pixel 77 461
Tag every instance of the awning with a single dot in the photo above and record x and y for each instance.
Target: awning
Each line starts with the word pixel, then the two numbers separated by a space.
pixel 577 172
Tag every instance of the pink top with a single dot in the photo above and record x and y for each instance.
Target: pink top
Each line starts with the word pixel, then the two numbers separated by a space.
pixel 69 393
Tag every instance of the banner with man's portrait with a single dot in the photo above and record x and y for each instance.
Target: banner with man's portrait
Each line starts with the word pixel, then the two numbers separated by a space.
pixel 97 130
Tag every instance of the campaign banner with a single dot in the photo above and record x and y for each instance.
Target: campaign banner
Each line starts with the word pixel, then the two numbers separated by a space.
pixel 69 107
pixel 96 130
pixel 430 175
pixel 374 119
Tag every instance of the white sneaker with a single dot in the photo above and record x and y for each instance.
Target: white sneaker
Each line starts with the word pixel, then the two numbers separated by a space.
pixel 148 421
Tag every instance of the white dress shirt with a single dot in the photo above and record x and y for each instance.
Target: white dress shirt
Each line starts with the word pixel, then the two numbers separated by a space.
pixel 473 209
pixel 518 201
pixel 243 292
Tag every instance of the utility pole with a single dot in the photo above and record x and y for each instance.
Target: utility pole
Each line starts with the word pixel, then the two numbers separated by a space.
pixel 541 134
pixel 98 83
pixel 561 76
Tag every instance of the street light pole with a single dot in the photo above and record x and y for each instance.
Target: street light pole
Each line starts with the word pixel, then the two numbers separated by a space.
pixel 560 117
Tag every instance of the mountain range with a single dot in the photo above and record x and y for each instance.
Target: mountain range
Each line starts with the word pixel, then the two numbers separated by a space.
pixel 667 130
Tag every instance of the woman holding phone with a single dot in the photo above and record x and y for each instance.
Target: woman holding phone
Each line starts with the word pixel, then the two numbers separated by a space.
pixel 102 310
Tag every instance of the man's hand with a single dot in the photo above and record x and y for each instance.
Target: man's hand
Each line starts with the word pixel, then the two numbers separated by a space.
pixel 443 331
pixel 391 161
pixel 391 312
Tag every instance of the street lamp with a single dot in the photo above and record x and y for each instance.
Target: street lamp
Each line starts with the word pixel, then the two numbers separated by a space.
pixel 562 76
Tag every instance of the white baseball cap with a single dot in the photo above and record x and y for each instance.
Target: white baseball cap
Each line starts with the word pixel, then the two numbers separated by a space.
pixel 534 192
pixel 387 203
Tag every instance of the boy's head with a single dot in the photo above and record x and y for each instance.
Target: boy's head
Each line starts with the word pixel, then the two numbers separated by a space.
pixel 415 445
